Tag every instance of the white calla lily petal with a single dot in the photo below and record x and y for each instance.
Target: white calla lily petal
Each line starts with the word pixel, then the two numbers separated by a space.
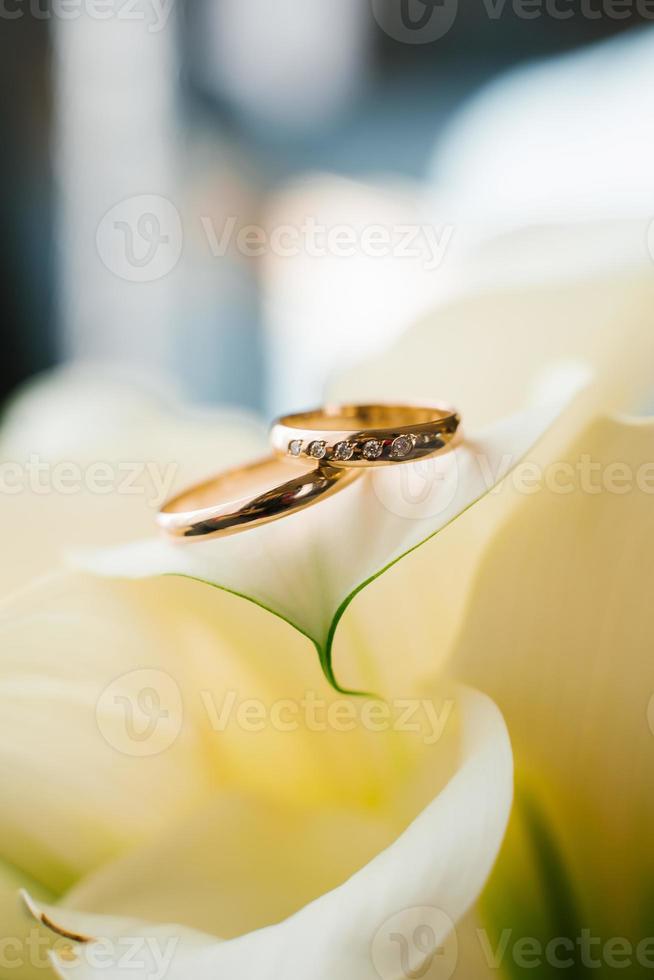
pixel 76 791
pixel 487 348
pixel 241 863
pixel 21 956
pixel 427 879
pixel 190 875
pixel 566 651
pixel 86 461
pixel 308 567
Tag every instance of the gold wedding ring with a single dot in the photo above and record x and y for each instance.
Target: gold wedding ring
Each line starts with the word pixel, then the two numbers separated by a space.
pixel 248 497
pixel 316 454
pixel 366 435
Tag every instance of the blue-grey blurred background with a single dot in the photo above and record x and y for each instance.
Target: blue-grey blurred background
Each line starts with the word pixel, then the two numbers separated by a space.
pixel 139 139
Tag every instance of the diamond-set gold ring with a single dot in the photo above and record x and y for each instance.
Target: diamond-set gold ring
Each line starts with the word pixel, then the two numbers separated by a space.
pixel 366 435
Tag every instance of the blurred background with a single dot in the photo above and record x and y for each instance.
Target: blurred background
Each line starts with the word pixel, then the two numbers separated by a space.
pixel 222 191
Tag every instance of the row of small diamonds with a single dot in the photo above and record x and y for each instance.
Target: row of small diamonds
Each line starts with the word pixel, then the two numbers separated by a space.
pixel 401 447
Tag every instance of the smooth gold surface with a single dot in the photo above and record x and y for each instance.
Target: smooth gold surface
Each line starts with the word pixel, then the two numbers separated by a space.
pixel 366 435
pixel 248 497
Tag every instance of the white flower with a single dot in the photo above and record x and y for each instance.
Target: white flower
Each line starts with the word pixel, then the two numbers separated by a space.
pixel 294 852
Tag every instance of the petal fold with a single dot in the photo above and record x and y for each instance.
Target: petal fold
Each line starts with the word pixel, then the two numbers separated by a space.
pixel 421 886
pixel 308 567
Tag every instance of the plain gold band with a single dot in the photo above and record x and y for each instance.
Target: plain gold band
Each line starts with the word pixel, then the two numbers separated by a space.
pixel 249 496
pixel 366 435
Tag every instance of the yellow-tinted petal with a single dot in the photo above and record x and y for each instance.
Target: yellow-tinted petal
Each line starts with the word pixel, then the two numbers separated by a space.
pixel 401 907
pixel 74 660
pixel 559 631
pixel 23 944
